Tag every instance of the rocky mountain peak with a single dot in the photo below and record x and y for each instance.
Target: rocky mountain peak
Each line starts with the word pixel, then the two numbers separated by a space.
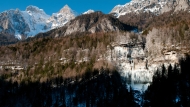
pixel 34 9
pixel 60 18
pixel 66 9
pixel 17 10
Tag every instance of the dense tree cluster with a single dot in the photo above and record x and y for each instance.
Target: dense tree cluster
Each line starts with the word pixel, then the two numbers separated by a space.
pixel 170 87
pixel 102 88
pixel 96 89
pixel 64 56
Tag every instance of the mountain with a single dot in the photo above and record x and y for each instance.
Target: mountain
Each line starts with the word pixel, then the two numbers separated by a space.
pixel 13 23
pixel 152 6
pixel 89 11
pixel 80 57
pixel 95 22
pixel 28 23
pixel 24 23
pixel 60 18
pixel 36 19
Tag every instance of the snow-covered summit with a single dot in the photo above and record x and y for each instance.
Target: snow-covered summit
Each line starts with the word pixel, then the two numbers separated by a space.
pixel 89 11
pixel 36 19
pixel 153 6
pixel 32 21
pixel 36 13
pixel 34 9
pixel 62 17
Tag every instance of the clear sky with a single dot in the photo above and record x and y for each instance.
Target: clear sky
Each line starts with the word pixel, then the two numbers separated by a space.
pixel 53 6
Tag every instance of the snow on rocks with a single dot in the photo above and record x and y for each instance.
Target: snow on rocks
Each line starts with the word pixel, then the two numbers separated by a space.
pixel 89 11
pixel 33 20
pixel 152 6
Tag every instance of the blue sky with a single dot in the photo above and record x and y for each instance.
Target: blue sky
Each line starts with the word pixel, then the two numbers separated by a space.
pixel 52 6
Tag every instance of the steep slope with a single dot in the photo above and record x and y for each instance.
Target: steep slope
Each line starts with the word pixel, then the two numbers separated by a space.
pixel 150 6
pixel 95 22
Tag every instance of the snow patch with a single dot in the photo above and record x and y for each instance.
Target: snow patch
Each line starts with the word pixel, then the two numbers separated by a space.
pixel 140 87
pixel 18 35
pixel 89 11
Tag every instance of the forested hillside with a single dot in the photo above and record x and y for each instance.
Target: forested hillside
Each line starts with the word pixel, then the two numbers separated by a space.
pixel 140 59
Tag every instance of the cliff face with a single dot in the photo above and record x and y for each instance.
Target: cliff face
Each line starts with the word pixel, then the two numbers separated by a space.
pixel 138 57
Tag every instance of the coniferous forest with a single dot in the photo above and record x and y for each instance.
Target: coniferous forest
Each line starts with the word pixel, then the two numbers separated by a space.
pixel 100 88
pixel 94 90
pixel 170 87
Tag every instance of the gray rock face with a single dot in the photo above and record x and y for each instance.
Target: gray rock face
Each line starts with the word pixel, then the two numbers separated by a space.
pixel 153 6
pixel 12 22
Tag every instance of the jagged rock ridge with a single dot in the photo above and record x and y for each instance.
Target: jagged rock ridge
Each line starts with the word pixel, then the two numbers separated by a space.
pixel 152 6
